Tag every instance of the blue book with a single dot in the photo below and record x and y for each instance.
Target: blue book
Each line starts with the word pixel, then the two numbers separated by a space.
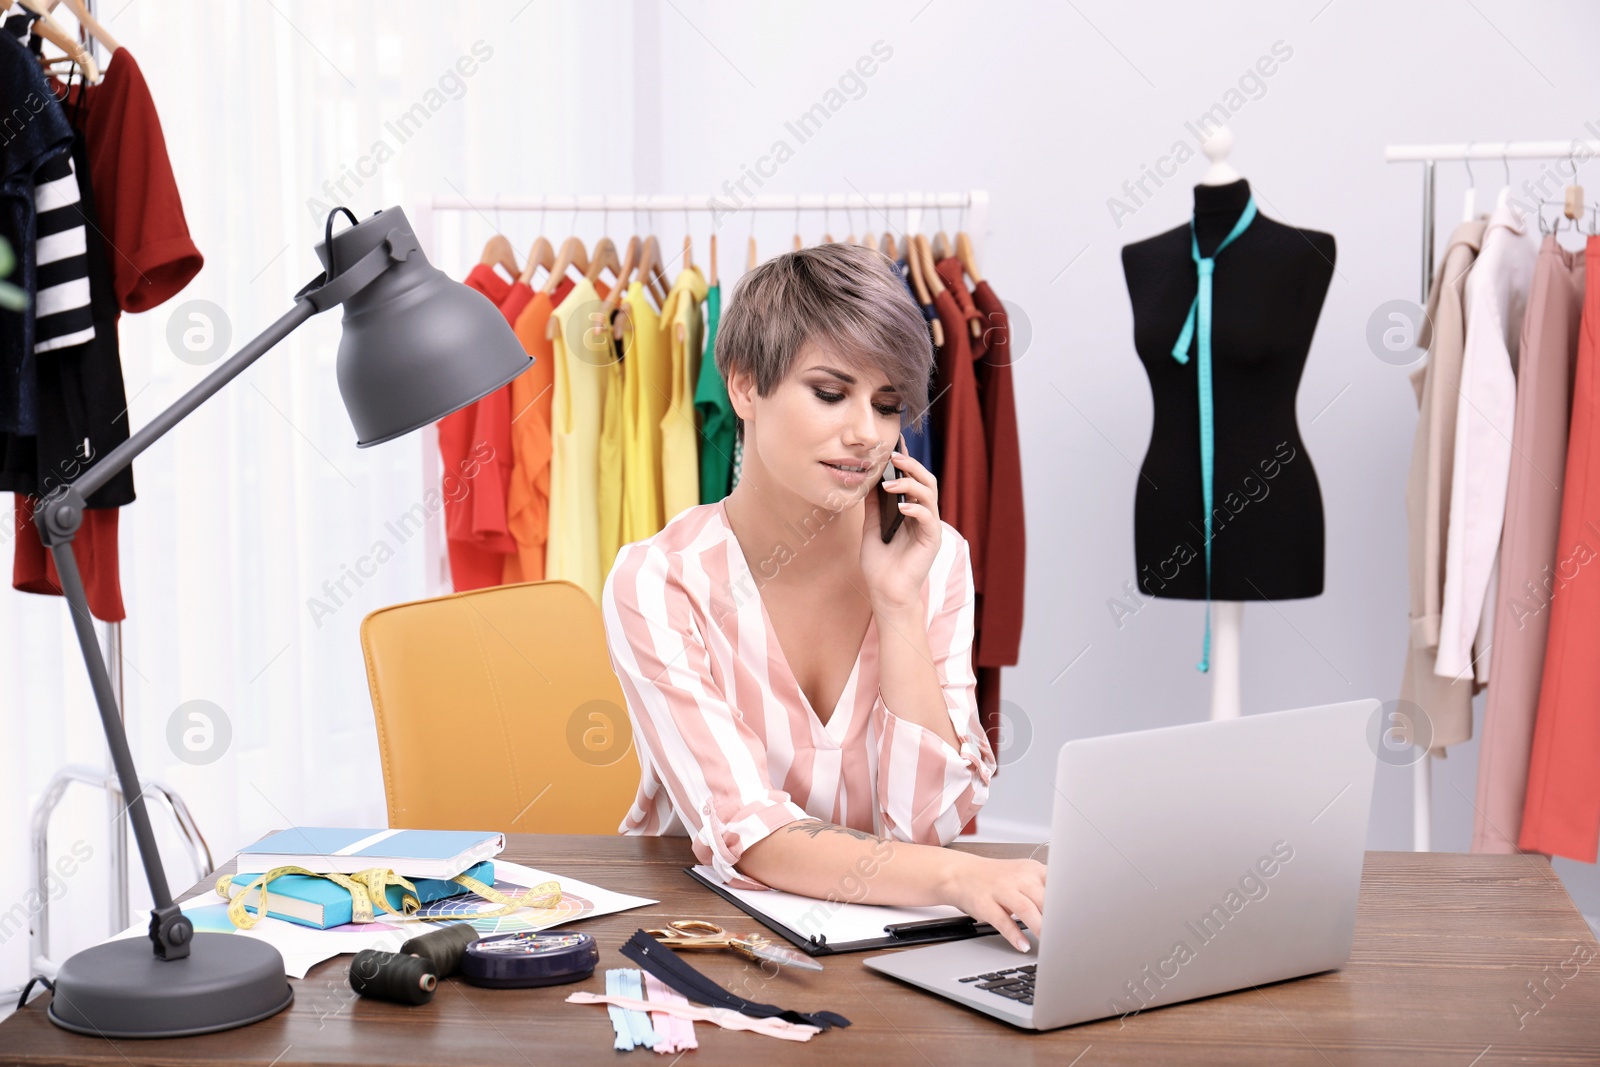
pixel 413 853
pixel 319 903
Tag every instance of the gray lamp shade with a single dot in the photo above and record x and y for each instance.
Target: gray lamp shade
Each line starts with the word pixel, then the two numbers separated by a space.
pixel 416 345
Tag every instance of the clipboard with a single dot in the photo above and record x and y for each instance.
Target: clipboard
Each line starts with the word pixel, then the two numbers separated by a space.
pixel 896 935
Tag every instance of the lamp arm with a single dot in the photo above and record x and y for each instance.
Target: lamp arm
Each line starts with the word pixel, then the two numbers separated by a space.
pixel 320 294
pixel 58 518
pixel 59 515
pixel 119 458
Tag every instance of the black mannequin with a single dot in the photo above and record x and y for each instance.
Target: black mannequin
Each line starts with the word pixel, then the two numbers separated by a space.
pixel 1267 291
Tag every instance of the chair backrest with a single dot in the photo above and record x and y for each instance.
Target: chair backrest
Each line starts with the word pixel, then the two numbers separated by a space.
pixel 498 709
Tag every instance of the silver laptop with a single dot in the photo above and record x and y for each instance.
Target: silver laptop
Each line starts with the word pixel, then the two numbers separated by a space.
pixel 1183 862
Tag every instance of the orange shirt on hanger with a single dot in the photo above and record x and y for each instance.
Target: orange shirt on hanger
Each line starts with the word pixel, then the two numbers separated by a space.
pixel 528 497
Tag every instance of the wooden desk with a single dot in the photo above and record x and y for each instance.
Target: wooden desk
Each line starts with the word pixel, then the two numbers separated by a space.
pixel 1445 946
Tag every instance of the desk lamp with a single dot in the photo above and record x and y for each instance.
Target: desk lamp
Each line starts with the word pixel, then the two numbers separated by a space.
pixel 415 347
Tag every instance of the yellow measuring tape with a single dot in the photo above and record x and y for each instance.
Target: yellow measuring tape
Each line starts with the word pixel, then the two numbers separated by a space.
pixel 371 885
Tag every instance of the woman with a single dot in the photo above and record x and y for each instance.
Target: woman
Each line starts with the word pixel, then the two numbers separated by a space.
pixel 762 641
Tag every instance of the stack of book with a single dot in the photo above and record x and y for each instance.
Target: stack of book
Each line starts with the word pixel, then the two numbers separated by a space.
pixel 428 859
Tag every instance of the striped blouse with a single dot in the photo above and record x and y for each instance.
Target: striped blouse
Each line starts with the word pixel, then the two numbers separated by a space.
pixel 730 747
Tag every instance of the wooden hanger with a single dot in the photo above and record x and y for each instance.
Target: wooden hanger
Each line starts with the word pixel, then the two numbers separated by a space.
pixel 653 271
pixel 542 254
pixel 870 241
pixel 929 274
pixel 630 263
pixel 80 11
pixel 750 256
pixel 688 252
pixel 1572 202
pixel 51 30
pixel 920 285
pixel 713 279
pixel 497 252
pixel 572 255
pixel 614 313
pixel 969 263
pixel 888 245
pixel 604 257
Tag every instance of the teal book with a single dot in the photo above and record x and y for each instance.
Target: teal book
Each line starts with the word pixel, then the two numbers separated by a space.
pixel 319 903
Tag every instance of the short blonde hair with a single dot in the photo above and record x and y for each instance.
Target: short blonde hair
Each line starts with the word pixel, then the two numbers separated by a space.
pixel 849 299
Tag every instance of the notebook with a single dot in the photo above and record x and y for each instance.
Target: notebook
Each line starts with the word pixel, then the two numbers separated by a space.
pixel 821 927
pixel 412 853
pixel 319 903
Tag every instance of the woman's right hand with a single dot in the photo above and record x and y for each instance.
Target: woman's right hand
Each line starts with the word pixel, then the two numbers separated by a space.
pixel 992 890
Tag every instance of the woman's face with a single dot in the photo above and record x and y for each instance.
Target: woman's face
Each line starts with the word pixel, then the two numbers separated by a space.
pixel 825 418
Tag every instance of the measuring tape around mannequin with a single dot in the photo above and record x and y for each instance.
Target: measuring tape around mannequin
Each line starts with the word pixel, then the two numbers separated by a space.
pixel 371 885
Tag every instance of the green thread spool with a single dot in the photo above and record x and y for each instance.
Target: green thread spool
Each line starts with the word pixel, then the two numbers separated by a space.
pixel 392 976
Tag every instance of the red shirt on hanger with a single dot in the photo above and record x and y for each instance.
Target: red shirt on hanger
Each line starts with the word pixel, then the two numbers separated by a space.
pixel 964 470
pixel 152 257
pixel 136 195
pixel 475 449
pixel 1006 536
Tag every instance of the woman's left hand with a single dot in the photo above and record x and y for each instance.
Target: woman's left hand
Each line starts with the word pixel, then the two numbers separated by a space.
pixel 895 572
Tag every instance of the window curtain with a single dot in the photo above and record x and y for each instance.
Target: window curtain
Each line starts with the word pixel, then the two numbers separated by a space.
pixel 261 535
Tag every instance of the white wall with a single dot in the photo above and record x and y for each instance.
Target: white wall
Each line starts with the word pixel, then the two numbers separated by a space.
pixel 1051 108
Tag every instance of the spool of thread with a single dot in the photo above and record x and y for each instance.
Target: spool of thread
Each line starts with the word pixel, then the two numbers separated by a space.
pixel 528 958
pixel 392 976
pixel 442 948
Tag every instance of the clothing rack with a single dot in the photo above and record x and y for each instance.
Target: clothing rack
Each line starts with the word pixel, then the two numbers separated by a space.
pixel 103 778
pixel 974 204
pixel 972 208
pixel 1429 155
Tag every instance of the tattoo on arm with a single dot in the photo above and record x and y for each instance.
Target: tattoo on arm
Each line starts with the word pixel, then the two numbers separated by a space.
pixel 817 826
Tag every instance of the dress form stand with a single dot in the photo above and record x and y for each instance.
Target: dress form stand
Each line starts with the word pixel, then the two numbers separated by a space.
pixel 1227 616
pixel 1266 537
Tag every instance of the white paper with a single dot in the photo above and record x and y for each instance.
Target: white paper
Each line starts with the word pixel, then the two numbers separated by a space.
pixel 841 922
pixel 303 948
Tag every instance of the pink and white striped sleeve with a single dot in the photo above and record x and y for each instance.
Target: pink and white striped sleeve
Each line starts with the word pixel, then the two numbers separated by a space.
pixel 927 791
pixel 713 766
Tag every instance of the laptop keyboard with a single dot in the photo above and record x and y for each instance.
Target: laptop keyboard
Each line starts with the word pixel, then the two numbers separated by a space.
pixel 1015 983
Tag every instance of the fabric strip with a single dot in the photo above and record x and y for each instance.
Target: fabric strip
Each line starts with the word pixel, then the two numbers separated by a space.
pixel 662 962
pixel 677 1032
pixel 723 1017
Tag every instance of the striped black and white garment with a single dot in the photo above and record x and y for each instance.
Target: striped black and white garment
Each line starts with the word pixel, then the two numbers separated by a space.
pixel 61 311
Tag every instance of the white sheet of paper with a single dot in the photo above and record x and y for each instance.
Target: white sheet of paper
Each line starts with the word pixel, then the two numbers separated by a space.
pixel 840 922
pixel 303 947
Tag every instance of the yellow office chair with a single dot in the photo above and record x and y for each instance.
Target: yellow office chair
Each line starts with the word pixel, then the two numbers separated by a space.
pixel 498 709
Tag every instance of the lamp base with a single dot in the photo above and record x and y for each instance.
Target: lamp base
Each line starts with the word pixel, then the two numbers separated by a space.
pixel 122 989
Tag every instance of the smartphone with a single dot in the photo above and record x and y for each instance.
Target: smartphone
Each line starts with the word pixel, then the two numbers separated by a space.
pixel 889 514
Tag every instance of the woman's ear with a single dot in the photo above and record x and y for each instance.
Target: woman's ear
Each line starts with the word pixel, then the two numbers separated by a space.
pixel 742 393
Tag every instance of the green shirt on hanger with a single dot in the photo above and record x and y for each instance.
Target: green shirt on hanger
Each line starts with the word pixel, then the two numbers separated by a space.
pixel 717 419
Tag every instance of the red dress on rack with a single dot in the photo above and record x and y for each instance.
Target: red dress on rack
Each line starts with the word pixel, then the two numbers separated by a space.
pixel 1561 815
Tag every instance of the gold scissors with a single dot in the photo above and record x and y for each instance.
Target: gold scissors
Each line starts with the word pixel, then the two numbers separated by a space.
pixel 697 933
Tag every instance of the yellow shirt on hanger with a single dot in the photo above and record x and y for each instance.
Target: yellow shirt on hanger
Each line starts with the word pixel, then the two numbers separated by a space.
pixel 612 472
pixel 680 433
pixel 583 360
pixel 647 388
